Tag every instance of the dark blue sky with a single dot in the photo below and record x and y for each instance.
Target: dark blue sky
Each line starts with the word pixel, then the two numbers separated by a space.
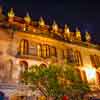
pixel 82 13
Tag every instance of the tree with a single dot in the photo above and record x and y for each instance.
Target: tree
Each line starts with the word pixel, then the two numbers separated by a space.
pixel 56 80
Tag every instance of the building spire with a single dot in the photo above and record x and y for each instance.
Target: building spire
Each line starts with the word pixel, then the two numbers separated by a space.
pixel 87 36
pixel 66 29
pixel 78 34
pixel 27 18
pixel 41 21
pixel 11 13
pixel 66 32
pixel 55 26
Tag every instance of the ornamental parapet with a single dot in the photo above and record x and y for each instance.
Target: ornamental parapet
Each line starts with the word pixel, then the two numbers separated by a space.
pixel 26 24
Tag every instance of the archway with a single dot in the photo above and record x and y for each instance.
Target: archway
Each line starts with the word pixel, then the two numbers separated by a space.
pixel 23 65
pixel 9 69
pixel 42 65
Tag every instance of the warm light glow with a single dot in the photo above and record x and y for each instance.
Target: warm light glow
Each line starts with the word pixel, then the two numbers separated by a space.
pixel 88 36
pixel 90 73
pixel 27 18
pixel 41 21
pixel 66 29
pixel 11 14
pixel 55 26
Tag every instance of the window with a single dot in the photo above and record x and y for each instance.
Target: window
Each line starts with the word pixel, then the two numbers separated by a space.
pixel 95 60
pixel 33 49
pixel 53 51
pixel 78 58
pixel 39 50
pixel 23 65
pixel 24 46
pixel 74 57
pixel 78 71
pixel 45 51
pixel 70 55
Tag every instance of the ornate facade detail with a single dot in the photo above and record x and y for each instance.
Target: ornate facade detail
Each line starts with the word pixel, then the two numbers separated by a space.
pixel 11 15
pixel 27 18
pixel 36 48
pixel 66 32
pixel 55 27
pixel 88 37
pixel 78 34
pixel 41 22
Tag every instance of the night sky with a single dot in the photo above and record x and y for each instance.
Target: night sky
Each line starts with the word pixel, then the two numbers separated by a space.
pixel 82 13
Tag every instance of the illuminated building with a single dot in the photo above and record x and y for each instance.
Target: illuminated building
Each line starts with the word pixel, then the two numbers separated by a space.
pixel 25 42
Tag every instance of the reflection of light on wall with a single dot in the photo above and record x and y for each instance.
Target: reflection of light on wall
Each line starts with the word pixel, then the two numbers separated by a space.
pixel 90 73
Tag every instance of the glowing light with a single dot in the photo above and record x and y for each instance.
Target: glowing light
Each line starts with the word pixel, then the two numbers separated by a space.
pixel 90 73
pixel 88 36
pixel 66 29
pixel 11 14
pixel 27 18
pixel 41 21
pixel 55 26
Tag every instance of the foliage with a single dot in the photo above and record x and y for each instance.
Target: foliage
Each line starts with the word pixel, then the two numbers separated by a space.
pixel 56 80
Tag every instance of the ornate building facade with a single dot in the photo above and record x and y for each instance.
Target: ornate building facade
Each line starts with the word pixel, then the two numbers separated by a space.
pixel 24 42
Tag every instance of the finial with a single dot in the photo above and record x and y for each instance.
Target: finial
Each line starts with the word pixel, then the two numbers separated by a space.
pixel 78 34
pixel 41 21
pixel 87 36
pixel 11 13
pixel 27 18
pixel 67 34
pixel 55 26
pixel 24 27
pixel 66 29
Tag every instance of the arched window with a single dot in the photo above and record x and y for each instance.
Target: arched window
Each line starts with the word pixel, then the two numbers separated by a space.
pixel 45 51
pixel 95 60
pixel 9 69
pixel 24 47
pixel 74 56
pixel 43 65
pixel 78 58
pixel 53 51
pixel 23 66
pixel 70 55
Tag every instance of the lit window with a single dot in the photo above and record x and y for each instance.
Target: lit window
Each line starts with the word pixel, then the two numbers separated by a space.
pixel 95 60
pixel 45 51
pixel 53 51
pixel 24 46
pixel 78 58
pixel 70 55
pixel 33 49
